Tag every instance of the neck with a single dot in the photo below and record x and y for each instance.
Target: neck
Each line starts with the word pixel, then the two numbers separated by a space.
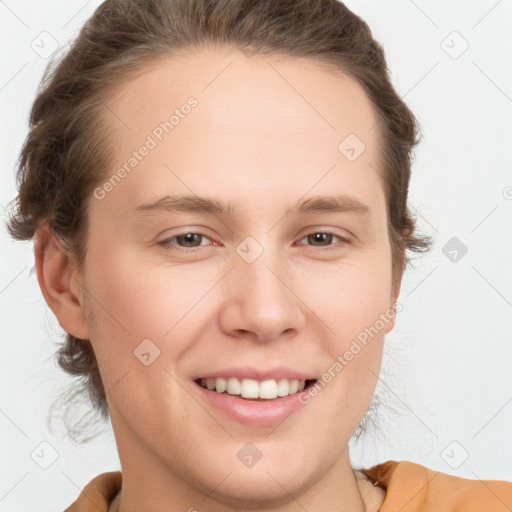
pixel 152 483
pixel 140 493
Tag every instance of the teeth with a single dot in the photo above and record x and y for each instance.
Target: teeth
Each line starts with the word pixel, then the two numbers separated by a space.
pixel 220 385
pixel 268 389
pixel 283 387
pixel 233 386
pixel 251 388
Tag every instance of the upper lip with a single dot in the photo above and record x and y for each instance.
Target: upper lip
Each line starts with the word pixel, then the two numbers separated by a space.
pixel 250 372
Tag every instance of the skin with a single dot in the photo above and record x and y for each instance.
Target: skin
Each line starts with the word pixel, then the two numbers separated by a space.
pixel 255 141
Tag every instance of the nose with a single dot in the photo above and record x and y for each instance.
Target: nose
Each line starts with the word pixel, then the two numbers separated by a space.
pixel 260 302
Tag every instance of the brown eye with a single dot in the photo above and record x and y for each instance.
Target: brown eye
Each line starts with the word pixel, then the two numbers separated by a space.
pixel 321 239
pixel 185 240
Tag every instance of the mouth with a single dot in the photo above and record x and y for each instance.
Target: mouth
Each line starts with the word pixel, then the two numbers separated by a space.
pixel 255 390
pixel 255 397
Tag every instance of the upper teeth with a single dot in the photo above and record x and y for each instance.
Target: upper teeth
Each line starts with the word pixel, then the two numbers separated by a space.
pixel 251 388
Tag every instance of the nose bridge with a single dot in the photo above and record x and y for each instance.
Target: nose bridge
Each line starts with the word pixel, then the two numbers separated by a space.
pixel 263 271
pixel 262 290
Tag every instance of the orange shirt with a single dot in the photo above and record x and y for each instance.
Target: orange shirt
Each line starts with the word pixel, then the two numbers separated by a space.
pixel 409 487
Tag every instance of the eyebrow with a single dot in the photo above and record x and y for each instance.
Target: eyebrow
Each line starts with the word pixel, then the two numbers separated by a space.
pixel 192 203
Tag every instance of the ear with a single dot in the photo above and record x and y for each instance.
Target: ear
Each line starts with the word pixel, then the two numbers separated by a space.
pixel 60 283
pixel 391 314
pixel 391 318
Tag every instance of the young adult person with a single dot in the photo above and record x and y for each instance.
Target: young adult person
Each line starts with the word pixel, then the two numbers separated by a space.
pixel 218 195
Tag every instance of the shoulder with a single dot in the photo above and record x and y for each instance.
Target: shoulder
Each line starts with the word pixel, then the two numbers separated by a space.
pixel 97 495
pixel 417 488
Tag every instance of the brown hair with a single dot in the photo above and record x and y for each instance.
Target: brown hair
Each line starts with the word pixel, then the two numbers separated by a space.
pixel 67 152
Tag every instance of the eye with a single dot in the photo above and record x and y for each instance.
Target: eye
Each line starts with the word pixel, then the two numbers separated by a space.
pixel 189 240
pixel 192 240
pixel 324 238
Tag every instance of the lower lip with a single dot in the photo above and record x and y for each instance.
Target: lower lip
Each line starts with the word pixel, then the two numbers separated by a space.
pixel 261 413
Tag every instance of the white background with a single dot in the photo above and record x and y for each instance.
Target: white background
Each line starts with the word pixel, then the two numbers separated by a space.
pixel 446 374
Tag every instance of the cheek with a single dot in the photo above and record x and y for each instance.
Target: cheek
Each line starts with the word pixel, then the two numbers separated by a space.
pixel 356 308
pixel 351 297
pixel 141 300
pixel 134 302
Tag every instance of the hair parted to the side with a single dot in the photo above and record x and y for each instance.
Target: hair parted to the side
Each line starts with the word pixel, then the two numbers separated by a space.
pixel 67 151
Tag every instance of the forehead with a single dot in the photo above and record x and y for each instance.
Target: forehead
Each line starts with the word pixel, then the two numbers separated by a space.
pixel 237 90
pixel 259 125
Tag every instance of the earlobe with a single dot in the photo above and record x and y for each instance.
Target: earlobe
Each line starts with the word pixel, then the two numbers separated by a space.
pixel 391 317
pixel 58 280
pixel 392 311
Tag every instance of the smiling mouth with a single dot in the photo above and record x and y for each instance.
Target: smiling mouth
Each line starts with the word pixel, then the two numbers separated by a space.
pixel 251 389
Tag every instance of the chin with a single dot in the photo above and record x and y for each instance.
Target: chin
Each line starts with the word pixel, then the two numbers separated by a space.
pixel 262 488
pixel 280 473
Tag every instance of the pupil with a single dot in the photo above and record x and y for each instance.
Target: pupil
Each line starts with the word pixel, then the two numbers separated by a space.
pixel 321 237
pixel 189 237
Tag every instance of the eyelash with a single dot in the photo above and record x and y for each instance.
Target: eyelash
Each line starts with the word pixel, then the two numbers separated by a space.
pixel 167 242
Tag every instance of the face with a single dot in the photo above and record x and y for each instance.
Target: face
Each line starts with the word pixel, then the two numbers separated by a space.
pixel 270 271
